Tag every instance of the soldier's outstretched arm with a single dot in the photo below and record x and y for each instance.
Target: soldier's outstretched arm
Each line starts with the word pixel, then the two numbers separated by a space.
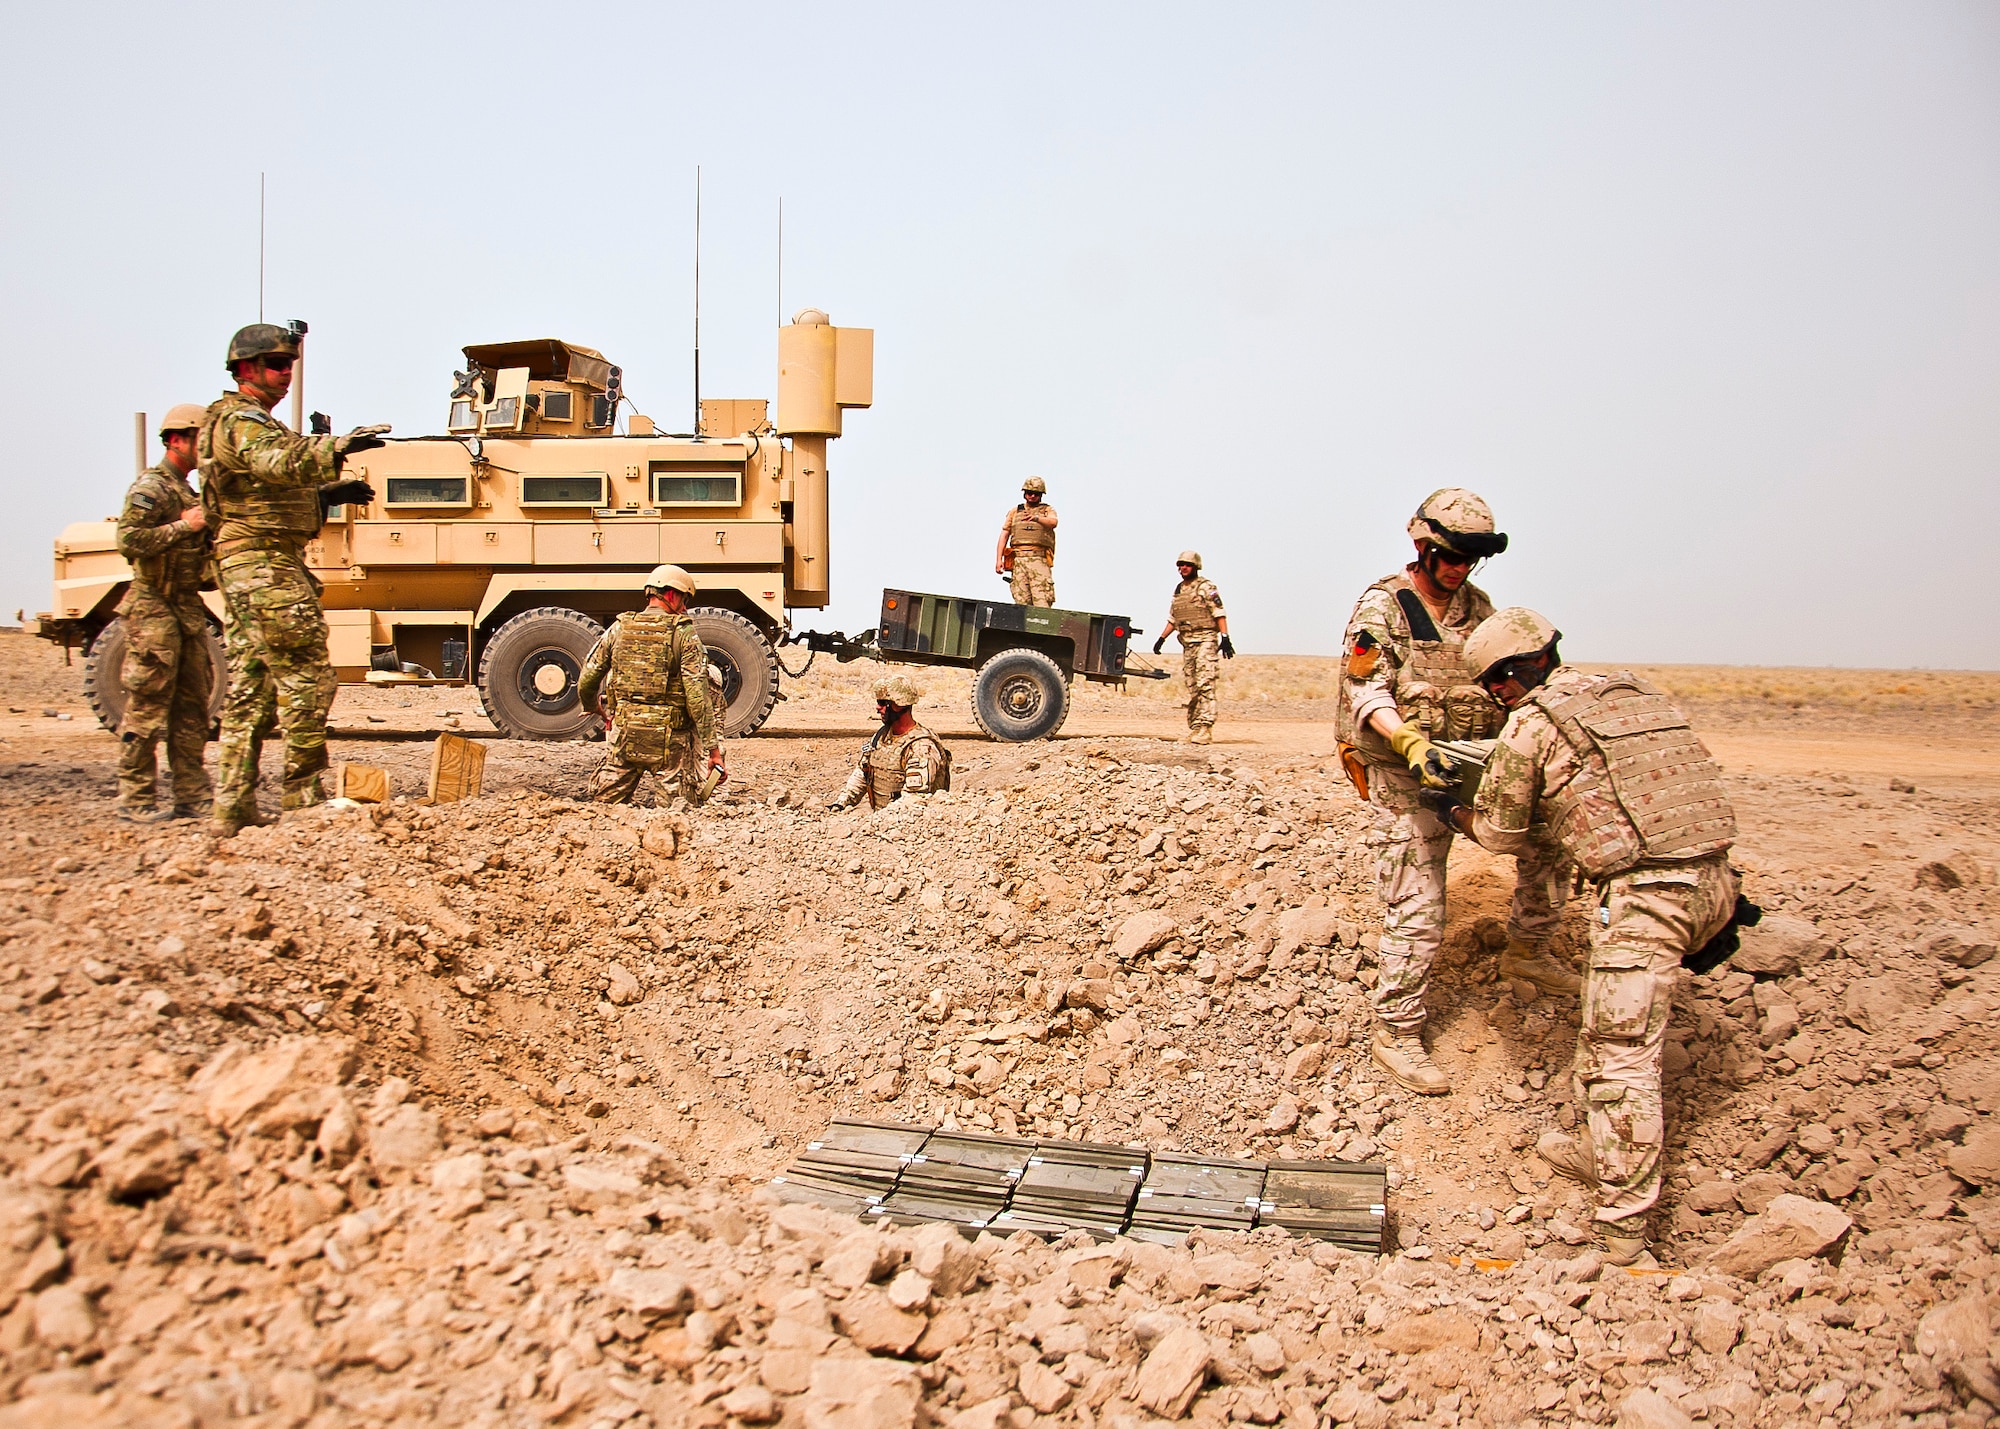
pixel 276 454
pixel 849 794
pixel 1504 809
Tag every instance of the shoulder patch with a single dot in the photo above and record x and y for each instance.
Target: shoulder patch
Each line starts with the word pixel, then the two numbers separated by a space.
pixel 143 501
pixel 255 414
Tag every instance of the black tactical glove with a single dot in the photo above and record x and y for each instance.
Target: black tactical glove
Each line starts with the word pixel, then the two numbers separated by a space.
pixel 320 424
pixel 341 493
pixel 1440 802
pixel 1228 648
pixel 361 439
pixel 1159 645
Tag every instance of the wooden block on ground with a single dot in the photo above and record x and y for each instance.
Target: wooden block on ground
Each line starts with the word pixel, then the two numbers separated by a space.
pixel 456 766
pixel 363 783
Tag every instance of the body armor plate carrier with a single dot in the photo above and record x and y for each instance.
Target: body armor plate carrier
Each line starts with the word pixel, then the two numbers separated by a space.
pixel 1646 790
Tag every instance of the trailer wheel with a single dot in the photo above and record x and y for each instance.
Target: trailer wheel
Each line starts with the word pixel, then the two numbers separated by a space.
pixel 1020 695
pixel 749 668
pixel 528 674
pixel 104 661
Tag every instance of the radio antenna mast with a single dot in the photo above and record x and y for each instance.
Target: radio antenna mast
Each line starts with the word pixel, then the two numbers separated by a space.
pixel 260 247
pixel 781 260
pixel 697 299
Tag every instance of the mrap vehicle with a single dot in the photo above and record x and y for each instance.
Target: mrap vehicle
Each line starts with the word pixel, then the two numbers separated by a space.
pixel 497 553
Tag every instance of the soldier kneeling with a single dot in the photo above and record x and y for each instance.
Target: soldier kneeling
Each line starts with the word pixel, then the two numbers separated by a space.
pixel 902 757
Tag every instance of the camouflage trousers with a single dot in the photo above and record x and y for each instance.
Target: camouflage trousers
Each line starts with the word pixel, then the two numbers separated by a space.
pixel 1034 582
pixel 1411 847
pixel 640 747
pixel 1646 920
pixel 278 673
pixel 168 678
pixel 1200 666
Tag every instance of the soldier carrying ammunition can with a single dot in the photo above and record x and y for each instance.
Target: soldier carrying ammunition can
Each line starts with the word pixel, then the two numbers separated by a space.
pixel 1401 688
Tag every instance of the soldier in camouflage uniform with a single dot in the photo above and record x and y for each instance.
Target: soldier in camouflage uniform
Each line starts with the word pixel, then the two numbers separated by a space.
pixel 902 757
pixel 1028 546
pixel 1401 685
pixel 654 677
pixel 1609 766
pixel 266 489
pixel 1197 616
pixel 167 675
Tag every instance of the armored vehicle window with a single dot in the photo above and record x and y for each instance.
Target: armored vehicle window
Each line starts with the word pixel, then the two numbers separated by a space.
pixel 556 406
pixel 428 491
pixel 600 411
pixel 589 488
pixel 698 488
pixel 464 417
pixel 504 414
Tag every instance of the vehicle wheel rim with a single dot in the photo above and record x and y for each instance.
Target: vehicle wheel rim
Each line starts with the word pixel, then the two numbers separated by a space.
pixel 732 678
pixel 1021 697
pixel 529 685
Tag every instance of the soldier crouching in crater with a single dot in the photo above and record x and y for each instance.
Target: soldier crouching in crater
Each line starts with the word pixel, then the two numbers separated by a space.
pixel 902 757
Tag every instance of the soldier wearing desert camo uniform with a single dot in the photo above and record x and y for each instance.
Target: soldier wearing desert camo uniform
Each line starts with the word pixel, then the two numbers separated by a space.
pixel 1197 616
pixel 1028 546
pixel 1611 769
pixel 902 757
pixel 1401 686
pixel 168 676
pixel 267 490
pixel 653 675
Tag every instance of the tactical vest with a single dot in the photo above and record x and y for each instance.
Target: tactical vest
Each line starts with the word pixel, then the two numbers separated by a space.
pixel 1190 611
pixel 1646 790
pixel 645 663
pixel 884 760
pixel 176 573
pixel 1024 535
pixel 1430 686
pixel 249 512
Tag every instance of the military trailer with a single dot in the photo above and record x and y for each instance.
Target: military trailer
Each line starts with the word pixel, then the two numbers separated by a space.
pixel 1026 656
pixel 497 553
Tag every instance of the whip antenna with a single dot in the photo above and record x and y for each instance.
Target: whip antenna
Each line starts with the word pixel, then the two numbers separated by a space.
pixel 260 247
pixel 697 299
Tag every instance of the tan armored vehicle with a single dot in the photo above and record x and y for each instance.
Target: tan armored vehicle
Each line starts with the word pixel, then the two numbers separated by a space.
pixel 497 553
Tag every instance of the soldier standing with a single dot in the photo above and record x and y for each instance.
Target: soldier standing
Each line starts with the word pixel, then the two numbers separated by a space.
pixel 657 694
pixel 1402 683
pixel 1197 616
pixel 1028 546
pixel 267 489
pixel 168 675
pixel 902 757
pixel 1612 769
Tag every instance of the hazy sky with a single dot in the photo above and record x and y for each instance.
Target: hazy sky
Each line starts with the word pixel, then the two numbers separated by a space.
pixel 1705 298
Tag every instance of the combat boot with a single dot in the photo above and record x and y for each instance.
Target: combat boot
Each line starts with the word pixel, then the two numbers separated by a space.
pixel 1569 1156
pixel 139 814
pixel 1628 1250
pixel 1531 964
pixel 1401 1054
pixel 1201 735
pixel 228 823
pixel 193 811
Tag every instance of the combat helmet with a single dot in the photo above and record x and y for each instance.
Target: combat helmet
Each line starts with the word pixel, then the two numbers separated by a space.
pixel 1189 558
pixel 1036 485
pixel 184 417
pixel 261 340
pixel 1459 520
pixel 898 690
pixel 1507 635
pixel 671 578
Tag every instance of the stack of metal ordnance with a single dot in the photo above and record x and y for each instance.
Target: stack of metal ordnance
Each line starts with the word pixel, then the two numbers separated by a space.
pixel 913 1174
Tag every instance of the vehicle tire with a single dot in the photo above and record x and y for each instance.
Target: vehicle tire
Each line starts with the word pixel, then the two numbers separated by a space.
pixel 1020 695
pixel 528 674
pixel 749 668
pixel 105 690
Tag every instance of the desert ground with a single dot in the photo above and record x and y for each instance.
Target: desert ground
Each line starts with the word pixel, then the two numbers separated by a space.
pixel 460 1114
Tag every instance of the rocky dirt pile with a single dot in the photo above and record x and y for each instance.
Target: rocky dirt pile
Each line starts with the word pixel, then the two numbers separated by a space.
pixel 458 1114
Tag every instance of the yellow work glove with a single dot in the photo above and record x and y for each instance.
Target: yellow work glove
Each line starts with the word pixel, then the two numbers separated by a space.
pixel 1433 767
